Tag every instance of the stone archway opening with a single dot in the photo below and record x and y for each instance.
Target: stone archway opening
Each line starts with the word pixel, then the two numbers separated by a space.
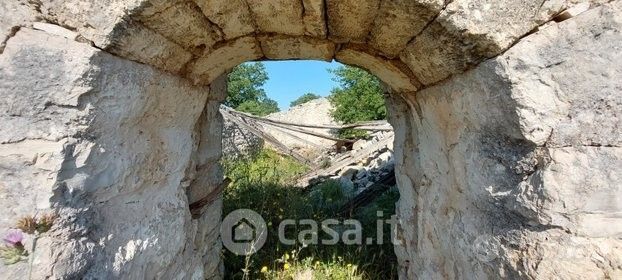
pixel 296 196
pixel 498 160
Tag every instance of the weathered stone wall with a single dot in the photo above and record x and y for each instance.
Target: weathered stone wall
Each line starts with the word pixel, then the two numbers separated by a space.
pixel 512 169
pixel 314 112
pixel 116 149
pixel 238 141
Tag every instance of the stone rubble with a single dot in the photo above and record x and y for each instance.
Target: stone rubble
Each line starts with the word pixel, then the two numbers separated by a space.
pixel 361 175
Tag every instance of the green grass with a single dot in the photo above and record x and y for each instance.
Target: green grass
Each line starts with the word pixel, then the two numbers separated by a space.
pixel 263 183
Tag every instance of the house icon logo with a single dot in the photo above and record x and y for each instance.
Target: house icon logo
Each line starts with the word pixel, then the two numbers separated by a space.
pixel 243 232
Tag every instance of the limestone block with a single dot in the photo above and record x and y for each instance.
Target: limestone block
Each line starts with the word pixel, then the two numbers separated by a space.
pixel 184 24
pixel 351 20
pixel 398 21
pixel 218 88
pixel 297 48
pixel 552 78
pixel 13 14
pixel 224 58
pixel 110 169
pixel 40 114
pixel 232 16
pixel 55 30
pixel 133 178
pixel 314 18
pixel 583 191
pixel 390 72
pixel 146 46
pixel 278 16
pixel 96 20
pixel 150 8
pixel 42 80
pixel 509 194
pixel 468 31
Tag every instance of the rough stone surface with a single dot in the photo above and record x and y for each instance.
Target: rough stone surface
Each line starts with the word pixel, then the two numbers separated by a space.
pixel 297 48
pixel 13 14
pixel 351 20
pixel 146 46
pixel 467 31
pixel 185 24
pixel 386 70
pixel 399 21
pixel 314 18
pixel 77 159
pixel 224 58
pixel 278 16
pixel 96 20
pixel 38 121
pixel 314 112
pixel 495 177
pixel 238 142
pixel 563 114
pixel 232 16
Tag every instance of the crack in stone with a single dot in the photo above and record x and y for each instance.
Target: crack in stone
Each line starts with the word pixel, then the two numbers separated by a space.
pixel 220 35
pixel 253 17
pixel 263 54
pixel 303 15
pixel 325 19
pixel 11 34
pixel 500 53
pixel 374 22
pixel 219 29
pixel 428 24
pixel 26 139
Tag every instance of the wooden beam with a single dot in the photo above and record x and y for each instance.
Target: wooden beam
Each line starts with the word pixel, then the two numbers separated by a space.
pixel 371 125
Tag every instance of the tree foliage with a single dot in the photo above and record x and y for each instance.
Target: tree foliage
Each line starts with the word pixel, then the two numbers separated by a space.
pixel 245 90
pixel 304 99
pixel 358 97
pixel 259 108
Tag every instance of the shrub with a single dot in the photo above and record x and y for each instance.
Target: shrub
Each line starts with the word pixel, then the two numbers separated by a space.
pixel 263 183
pixel 359 97
pixel 304 99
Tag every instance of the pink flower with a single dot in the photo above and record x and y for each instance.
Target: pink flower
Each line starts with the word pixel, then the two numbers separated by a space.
pixel 14 238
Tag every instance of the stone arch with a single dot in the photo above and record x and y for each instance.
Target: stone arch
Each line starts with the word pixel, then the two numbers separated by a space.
pixel 489 128
pixel 428 41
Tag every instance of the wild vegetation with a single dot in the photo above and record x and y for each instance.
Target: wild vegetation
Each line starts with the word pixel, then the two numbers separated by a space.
pixel 304 99
pixel 359 96
pixel 263 183
pixel 245 90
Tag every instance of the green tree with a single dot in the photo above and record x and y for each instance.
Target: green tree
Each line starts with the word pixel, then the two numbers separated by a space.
pixel 246 83
pixel 259 108
pixel 358 97
pixel 304 99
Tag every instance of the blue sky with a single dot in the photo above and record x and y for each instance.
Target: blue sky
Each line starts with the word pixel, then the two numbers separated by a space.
pixel 291 79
